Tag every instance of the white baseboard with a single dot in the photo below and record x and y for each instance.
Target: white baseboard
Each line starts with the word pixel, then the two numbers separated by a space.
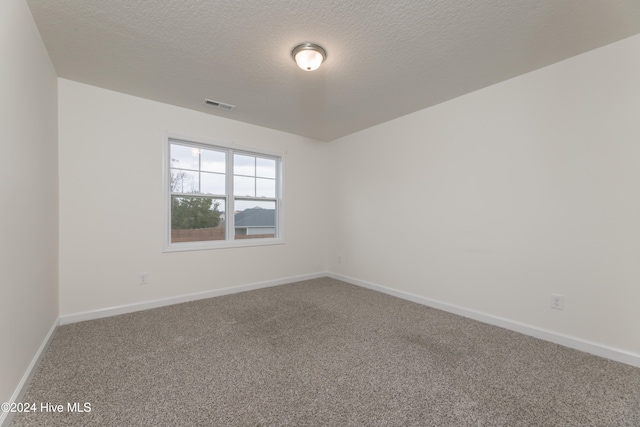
pixel 18 394
pixel 601 350
pixel 130 308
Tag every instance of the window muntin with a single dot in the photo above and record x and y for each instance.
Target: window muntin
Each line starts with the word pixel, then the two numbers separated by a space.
pixel 207 182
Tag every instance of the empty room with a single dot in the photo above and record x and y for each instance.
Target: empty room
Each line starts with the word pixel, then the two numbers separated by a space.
pixel 327 213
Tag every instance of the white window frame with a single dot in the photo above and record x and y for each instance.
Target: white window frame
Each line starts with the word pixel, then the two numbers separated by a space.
pixel 230 149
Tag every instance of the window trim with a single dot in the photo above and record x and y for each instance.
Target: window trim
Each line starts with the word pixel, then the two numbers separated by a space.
pixel 232 148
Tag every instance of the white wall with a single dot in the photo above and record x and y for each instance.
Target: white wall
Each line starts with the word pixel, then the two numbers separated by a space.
pixel 29 177
pixel 497 199
pixel 112 206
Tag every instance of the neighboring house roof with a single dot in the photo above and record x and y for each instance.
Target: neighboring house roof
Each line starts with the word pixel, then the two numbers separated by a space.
pixel 256 217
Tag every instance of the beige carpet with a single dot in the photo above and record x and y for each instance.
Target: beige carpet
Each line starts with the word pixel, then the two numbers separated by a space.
pixel 321 353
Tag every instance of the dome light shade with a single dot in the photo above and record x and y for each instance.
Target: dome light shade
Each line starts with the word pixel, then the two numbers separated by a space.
pixel 308 56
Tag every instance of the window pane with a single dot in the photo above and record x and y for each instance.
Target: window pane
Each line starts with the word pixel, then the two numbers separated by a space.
pixel 212 161
pixel 184 157
pixel 212 183
pixel 266 168
pixel 244 165
pixel 244 186
pixel 196 219
pixel 184 181
pixel 255 219
pixel 265 187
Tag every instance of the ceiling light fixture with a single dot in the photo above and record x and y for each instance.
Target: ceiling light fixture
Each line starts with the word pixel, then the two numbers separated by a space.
pixel 308 56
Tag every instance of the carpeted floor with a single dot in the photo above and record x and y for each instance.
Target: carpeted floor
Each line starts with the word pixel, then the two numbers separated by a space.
pixel 321 353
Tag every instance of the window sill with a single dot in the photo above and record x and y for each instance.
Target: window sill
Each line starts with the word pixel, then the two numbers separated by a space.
pixel 221 244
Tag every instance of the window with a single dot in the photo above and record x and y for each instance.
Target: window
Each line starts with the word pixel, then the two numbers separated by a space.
pixel 220 196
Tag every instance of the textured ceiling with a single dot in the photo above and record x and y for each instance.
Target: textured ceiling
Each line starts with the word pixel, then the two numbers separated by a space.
pixel 385 58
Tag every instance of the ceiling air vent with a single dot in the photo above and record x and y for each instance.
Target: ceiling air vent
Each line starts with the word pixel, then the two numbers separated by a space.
pixel 219 104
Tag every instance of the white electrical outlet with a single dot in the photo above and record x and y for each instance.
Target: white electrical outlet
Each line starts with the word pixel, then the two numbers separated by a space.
pixel 143 279
pixel 557 301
